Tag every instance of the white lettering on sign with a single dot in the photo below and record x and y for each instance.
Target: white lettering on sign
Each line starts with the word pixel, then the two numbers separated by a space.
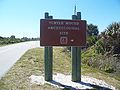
pixel 63 23
pixel 71 23
pixel 63 40
pixel 63 28
pixel 63 33
pixel 56 22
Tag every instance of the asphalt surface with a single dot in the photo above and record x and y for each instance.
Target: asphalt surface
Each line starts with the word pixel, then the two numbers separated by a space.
pixel 11 53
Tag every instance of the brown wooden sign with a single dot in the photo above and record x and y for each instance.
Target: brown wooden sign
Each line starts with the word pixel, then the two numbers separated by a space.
pixel 55 32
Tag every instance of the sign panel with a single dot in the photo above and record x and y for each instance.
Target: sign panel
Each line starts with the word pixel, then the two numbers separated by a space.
pixel 55 32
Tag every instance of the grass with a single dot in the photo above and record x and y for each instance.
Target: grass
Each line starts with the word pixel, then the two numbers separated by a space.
pixel 108 78
pixel 2 45
pixel 32 62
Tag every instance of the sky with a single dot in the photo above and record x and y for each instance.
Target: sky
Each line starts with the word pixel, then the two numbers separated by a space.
pixel 22 17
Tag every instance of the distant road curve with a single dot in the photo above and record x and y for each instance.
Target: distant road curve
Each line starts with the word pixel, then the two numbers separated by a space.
pixel 11 53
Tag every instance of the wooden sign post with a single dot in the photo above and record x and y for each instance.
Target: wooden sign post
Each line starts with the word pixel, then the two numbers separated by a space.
pixel 76 57
pixel 48 56
pixel 58 32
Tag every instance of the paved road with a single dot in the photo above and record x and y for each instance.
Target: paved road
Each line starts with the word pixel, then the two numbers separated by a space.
pixel 11 53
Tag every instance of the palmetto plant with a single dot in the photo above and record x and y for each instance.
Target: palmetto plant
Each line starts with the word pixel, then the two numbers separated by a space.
pixel 111 39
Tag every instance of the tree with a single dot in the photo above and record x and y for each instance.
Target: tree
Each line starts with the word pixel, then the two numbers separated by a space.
pixel 12 37
pixel 1 37
pixel 92 30
pixel 24 39
pixel 92 34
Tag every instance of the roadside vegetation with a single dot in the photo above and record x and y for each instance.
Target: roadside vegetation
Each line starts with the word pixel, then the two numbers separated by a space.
pixel 32 63
pixel 104 53
pixel 12 39
pixel 100 59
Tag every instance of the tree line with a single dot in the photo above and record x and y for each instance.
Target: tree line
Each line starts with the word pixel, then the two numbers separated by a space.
pixel 12 39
